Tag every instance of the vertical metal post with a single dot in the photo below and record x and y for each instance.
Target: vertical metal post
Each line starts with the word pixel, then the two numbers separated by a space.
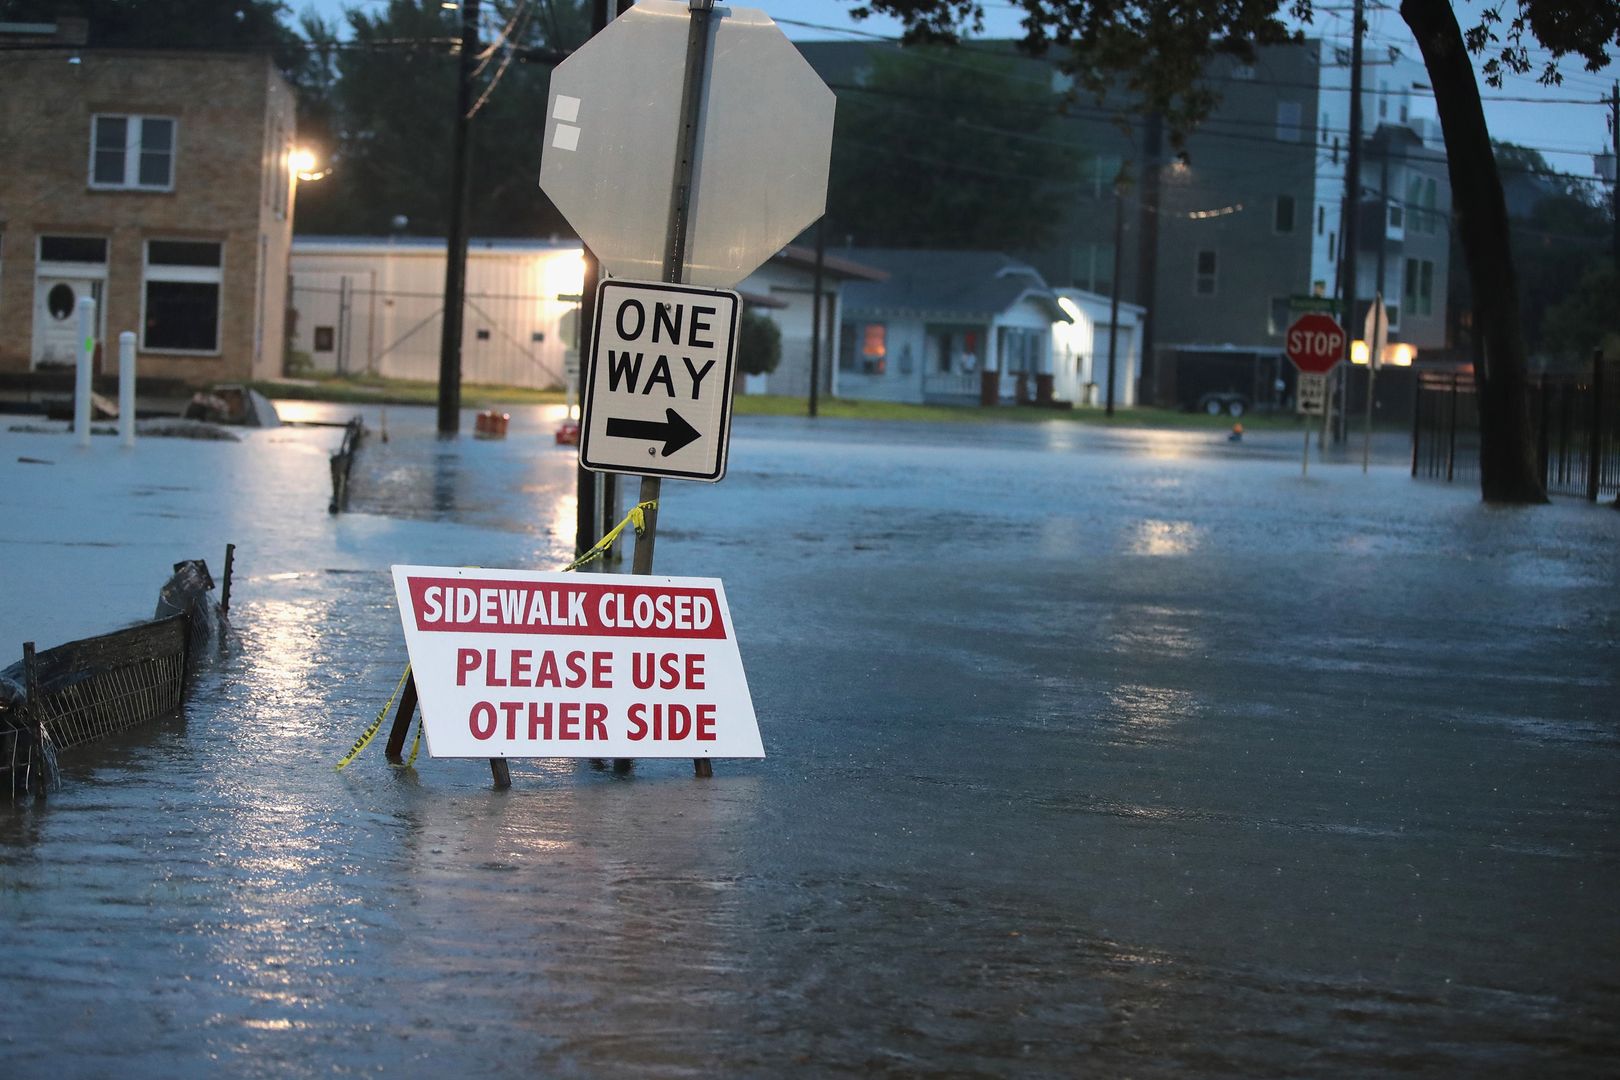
pixel 1349 232
pixel 1417 423
pixel 1614 184
pixel 31 687
pixel 1374 348
pixel 815 316
pixel 1113 298
pixel 1305 461
pixel 586 514
pixel 1147 250
pixel 345 291
pixel 225 586
pixel 1543 439
pixel 81 373
pixel 680 210
pixel 126 388
pixel 1594 449
pixel 1451 432
pixel 455 253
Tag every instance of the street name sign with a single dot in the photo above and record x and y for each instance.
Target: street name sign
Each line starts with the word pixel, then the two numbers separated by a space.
pixel 657 398
pixel 612 134
pixel 1312 394
pixel 1315 343
pixel 518 663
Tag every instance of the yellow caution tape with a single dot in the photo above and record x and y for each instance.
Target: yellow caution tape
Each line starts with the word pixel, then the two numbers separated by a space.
pixel 376 725
pixel 416 744
pixel 637 517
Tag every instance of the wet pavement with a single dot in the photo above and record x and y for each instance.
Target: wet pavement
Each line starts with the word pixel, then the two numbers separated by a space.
pixel 1090 752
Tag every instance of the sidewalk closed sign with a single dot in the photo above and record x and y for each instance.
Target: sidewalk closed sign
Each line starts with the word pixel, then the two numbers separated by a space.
pixel 516 663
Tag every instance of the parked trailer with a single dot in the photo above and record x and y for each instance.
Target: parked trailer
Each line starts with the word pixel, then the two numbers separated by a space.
pixel 1226 382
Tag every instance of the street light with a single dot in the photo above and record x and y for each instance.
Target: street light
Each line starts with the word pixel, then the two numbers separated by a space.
pixel 303 163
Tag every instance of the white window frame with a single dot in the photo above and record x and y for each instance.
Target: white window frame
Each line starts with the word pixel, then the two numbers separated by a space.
pixel 203 275
pixel 135 126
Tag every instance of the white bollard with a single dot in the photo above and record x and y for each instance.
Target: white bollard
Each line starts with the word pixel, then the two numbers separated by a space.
pixel 126 387
pixel 81 383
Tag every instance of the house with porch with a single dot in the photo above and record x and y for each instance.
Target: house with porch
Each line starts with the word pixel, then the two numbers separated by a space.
pixel 947 327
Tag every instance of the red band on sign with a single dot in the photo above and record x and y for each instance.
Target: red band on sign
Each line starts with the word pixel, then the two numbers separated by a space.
pixel 546 607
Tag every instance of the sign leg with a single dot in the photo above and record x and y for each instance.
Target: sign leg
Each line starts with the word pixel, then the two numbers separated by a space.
pixel 502 773
pixel 402 720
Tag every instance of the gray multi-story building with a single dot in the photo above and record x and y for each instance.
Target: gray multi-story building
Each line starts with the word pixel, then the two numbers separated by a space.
pixel 1226 235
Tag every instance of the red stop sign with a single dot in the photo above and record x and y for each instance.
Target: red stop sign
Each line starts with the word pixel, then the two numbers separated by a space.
pixel 1315 342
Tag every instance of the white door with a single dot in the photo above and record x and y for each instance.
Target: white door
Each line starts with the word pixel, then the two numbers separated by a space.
pixel 56 318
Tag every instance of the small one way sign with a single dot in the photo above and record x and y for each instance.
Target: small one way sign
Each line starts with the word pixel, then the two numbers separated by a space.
pixel 658 396
pixel 519 663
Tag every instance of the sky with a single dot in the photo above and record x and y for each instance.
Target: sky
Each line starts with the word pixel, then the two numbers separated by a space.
pixel 1565 123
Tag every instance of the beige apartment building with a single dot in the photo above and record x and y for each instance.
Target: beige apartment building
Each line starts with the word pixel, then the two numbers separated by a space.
pixel 161 185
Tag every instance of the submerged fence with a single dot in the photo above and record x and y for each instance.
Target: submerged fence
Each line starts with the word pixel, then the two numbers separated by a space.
pixel 85 690
pixel 1577 420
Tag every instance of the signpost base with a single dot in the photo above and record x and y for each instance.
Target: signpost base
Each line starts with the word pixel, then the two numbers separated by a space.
pixel 395 751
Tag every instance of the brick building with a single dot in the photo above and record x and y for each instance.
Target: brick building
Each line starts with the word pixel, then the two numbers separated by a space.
pixel 158 183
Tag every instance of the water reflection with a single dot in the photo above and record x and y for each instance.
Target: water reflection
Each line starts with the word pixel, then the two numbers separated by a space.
pixel 1156 537
pixel 1144 715
pixel 446 462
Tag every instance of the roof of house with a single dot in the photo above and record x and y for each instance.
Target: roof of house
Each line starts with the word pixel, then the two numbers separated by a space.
pixel 955 284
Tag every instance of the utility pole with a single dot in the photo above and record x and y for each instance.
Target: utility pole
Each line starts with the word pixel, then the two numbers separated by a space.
pixel 455 254
pixel 1349 236
pixel 1614 177
pixel 1147 266
pixel 1113 299
pixel 815 315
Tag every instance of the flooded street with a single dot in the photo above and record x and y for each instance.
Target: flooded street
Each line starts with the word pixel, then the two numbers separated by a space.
pixel 1109 752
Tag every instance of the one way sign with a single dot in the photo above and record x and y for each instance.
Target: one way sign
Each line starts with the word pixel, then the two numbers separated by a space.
pixel 658 399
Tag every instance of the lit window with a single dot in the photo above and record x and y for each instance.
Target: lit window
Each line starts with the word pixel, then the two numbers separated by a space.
pixel 873 340
pixel 180 297
pixel 132 152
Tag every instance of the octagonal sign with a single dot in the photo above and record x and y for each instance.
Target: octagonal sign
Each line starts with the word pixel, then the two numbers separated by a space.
pixel 1314 342
pixel 763 144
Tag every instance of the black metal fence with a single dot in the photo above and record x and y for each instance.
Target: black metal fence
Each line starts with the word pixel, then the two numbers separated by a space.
pixel 1578 429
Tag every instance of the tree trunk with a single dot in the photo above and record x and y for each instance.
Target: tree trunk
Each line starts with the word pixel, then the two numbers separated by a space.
pixel 1508 465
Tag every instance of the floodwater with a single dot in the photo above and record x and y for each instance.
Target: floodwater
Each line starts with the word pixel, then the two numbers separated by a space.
pixel 1090 752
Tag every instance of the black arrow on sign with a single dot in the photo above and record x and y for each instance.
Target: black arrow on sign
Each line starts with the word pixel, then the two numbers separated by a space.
pixel 674 432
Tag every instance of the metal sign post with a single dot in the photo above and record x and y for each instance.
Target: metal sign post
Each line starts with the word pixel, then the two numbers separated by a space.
pixel 1311 400
pixel 760 119
pixel 1313 343
pixel 680 209
pixel 1376 334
